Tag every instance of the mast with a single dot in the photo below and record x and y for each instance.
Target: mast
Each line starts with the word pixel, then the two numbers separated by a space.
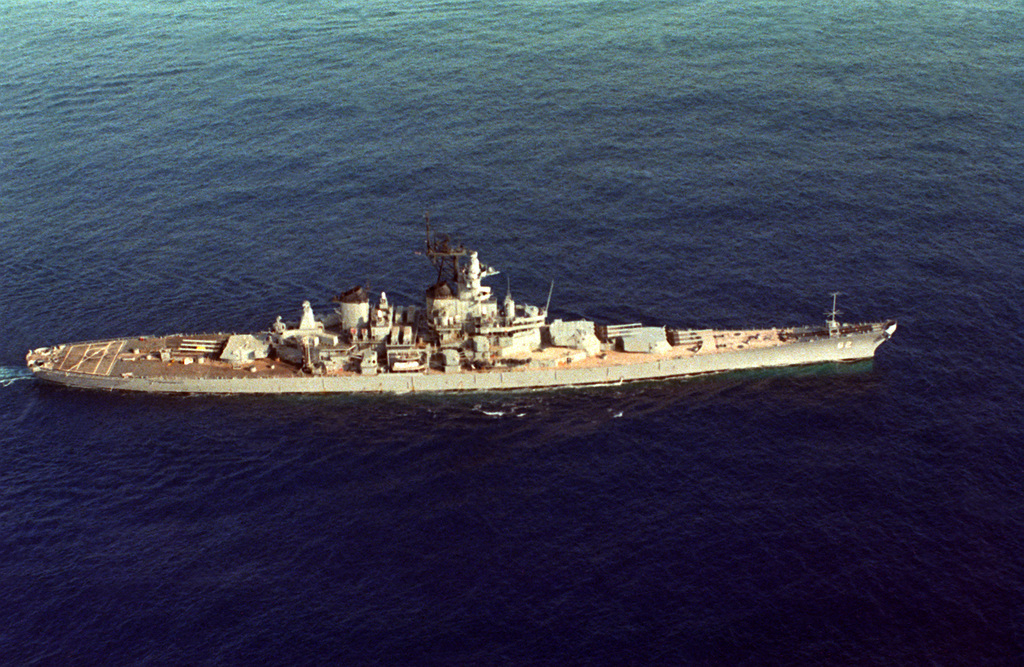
pixel 831 316
pixel 444 256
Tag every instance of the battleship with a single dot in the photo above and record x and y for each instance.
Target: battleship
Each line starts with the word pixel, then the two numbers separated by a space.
pixel 459 339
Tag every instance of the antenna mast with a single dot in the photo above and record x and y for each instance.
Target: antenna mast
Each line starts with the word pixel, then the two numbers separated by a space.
pixel 444 255
pixel 831 319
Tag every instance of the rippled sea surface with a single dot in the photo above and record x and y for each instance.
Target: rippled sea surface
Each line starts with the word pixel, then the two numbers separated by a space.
pixel 193 166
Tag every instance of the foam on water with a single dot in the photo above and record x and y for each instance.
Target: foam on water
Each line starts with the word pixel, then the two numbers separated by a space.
pixel 9 376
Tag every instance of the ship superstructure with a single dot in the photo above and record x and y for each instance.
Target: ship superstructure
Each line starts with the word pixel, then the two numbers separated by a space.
pixel 460 338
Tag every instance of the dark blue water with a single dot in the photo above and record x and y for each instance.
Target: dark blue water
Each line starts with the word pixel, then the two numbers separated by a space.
pixel 169 166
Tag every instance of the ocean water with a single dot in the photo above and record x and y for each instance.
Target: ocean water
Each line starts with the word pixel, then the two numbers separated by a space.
pixel 191 166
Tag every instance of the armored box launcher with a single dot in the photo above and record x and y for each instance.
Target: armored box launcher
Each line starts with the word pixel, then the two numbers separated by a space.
pixel 460 339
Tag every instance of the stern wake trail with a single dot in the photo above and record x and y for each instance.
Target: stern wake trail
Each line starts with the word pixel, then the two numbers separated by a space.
pixel 11 374
pixel 8 376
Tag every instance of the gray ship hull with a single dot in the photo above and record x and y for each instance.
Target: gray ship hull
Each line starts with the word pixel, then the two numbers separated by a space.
pixel 460 339
pixel 846 347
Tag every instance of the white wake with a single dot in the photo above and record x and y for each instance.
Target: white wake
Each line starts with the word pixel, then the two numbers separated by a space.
pixel 11 374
